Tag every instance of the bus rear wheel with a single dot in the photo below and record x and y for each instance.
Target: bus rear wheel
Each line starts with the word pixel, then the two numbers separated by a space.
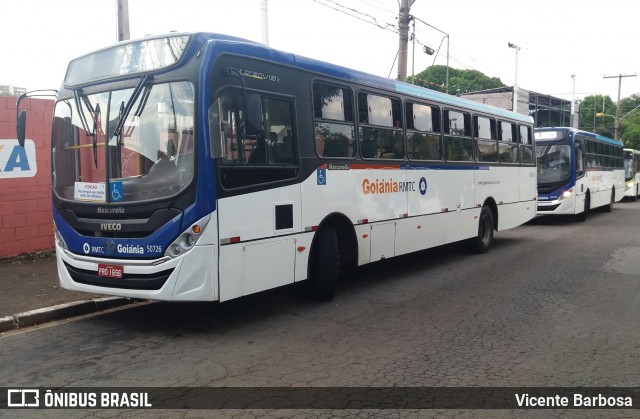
pixel 482 242
pixel 324 268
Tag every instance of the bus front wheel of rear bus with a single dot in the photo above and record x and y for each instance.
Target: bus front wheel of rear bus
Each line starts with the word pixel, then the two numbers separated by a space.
pixel 609 207
pixel 482 242
pixel 582 216
pixel 324 265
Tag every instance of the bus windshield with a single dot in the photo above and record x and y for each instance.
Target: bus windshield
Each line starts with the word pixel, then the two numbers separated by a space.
pixel 152 158
pixel 554 162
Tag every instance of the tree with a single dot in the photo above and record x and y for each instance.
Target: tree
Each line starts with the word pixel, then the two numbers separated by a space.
pixel 630 121
pixel 460 81
pixel 629 132
pixel 588 121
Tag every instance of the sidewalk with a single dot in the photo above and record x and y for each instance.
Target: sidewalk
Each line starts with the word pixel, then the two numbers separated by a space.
pixel 30 294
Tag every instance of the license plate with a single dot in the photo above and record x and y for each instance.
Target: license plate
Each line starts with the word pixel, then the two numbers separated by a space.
pixel 110 271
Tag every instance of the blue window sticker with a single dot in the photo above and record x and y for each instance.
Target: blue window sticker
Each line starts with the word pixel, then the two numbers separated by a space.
pixel 321 175
pixel 116 191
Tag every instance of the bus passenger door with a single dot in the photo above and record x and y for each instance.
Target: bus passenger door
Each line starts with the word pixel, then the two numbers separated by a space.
pixel 258 220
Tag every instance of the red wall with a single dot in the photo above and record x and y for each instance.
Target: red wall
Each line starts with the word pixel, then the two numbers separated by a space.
pixel 26 223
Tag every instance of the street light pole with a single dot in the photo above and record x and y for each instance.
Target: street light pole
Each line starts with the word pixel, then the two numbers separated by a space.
pixel 515 83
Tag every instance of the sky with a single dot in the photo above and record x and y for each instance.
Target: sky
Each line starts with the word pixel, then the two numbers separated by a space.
pixel 557 38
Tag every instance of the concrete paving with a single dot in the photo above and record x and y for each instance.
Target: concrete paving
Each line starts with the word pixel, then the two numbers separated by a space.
pixel 30 293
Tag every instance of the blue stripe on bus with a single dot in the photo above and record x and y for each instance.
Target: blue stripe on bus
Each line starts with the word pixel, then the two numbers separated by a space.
pixel 445 167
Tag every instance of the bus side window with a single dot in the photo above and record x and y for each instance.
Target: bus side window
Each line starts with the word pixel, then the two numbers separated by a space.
pixel 525 145
pixel 458 143
pixel 485 134
pixel 334 126
pixel 507 142
pixel 381 134
pixel 424 141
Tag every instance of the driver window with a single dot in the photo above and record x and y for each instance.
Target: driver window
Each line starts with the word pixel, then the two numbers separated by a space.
pixel 579 159
pixel 269 155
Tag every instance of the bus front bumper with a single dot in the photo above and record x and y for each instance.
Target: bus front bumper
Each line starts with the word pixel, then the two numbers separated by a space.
pixel 189 277
pixel 557 207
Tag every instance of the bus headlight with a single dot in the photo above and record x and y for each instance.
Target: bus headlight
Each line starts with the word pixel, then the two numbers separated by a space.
pixel 629 184
pixel 187 239
pixel 566 194
pixel 58 237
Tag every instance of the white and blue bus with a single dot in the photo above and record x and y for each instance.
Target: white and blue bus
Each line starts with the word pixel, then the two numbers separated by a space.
pixel 206 167
pixel 577 171
pixel 631 174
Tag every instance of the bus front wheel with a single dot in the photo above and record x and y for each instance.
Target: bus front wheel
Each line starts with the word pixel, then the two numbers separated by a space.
pixel 609 207
pixel 583 215
pixel 482 242
pixel 324 269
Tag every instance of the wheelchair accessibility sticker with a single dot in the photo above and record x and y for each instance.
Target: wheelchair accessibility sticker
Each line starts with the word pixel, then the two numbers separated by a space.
pixel 321 176
pixel 116 191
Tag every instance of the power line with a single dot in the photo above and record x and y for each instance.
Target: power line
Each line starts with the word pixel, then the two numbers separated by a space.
pixel 344 9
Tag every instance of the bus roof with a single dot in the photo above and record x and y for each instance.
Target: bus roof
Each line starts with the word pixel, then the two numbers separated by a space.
pixel 363 78
pixel 258 50
pixel 583 133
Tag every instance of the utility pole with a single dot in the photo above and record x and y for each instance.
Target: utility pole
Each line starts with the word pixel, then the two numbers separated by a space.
pixel 403 23
pixel 573 102
pixel 617 118
pixel 265 22
pixel 123 20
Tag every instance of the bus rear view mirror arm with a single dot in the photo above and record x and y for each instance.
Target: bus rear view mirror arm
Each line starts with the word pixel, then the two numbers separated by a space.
pixel 21 116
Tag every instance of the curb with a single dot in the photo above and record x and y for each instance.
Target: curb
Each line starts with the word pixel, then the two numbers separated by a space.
pixel 61 311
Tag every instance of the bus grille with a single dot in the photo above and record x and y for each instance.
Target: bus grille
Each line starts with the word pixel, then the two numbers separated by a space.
pixel 153 281
pixel 548 207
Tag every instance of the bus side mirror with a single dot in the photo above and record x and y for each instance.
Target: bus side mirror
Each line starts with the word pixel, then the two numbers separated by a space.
pixel 21 127
pixel 254 114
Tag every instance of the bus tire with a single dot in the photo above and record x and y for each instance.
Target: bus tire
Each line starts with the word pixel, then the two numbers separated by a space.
pixel 324 269
pixel 582 216
pixel 609 207
pixel 482 242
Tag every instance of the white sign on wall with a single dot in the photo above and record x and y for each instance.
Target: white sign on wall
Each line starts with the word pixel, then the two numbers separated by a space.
pixel 16 161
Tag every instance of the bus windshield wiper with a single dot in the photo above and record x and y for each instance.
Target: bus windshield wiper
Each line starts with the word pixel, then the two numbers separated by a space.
pixel 96 117
pixel 134 96
pixel 83 120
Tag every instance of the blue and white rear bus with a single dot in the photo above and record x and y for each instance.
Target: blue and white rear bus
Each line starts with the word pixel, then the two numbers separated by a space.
pixel 203 167
pixel 631 174
pixel 577 171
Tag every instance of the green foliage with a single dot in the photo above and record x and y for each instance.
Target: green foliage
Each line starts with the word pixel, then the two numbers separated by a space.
pixel 629 130
pixel 592 105
pixel 460 81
